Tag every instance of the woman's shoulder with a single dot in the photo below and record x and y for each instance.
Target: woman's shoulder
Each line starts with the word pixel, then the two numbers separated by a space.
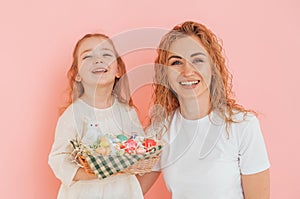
pixel 243 117
pixel 242 121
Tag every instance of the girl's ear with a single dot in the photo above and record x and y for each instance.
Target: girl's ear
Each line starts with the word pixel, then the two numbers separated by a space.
pixel 78 78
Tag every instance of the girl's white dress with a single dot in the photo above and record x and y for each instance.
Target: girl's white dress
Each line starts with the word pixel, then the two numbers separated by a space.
pixel 85 122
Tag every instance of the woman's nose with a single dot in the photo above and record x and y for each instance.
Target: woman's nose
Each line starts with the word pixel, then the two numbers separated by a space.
pixel 187 68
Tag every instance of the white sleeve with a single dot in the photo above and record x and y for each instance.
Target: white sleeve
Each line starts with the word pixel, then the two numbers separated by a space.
pixel 253 154
pixel 59 157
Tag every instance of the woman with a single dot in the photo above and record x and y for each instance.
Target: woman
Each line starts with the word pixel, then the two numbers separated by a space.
pixel 214 147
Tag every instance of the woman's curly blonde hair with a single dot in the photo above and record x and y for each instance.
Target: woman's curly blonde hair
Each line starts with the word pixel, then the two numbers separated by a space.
pixel 221 95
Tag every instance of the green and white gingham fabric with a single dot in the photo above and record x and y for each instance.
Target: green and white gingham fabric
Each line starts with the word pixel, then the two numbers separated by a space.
pixel 104 166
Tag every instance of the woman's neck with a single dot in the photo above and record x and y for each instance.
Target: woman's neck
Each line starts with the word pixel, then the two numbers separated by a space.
pixel 194 108
pixel 98 97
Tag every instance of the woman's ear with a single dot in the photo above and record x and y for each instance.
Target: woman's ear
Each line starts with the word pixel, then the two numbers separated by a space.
pixel 78 78
pixel 118 74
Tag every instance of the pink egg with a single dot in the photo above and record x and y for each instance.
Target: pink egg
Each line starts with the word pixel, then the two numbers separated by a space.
pixel 130 146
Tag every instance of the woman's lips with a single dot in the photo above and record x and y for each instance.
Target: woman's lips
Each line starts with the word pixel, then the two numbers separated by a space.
pixel 189 83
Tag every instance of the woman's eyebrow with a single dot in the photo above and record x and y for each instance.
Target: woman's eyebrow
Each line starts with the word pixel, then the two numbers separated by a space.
pixel 198 53
pixel 174 56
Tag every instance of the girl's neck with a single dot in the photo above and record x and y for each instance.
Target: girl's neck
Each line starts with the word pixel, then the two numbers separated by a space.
pixel 194 108
pixel 98 98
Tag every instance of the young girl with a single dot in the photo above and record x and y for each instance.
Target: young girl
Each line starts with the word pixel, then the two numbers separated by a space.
pixel 100 104
pixel 214 147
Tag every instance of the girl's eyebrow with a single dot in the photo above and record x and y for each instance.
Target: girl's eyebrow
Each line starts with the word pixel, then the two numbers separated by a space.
pixel 88 50
pixel 106 49
pixel 175 57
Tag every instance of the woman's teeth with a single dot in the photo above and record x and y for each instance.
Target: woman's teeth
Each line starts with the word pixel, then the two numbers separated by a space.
pixel 189 83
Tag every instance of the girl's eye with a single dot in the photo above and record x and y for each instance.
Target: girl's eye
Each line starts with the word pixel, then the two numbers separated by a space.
pixel 86 57
pixel 177 62
pixel 107 55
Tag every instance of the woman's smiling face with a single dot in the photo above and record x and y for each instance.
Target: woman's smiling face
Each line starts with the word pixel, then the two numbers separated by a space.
pixel 189 68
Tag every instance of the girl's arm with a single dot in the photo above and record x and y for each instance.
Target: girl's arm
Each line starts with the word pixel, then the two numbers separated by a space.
pixel 60 159
pixel 256 186
pixel 147 180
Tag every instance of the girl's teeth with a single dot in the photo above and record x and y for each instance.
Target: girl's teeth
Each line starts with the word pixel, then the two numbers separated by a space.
pixel 189 83
pixel 99 70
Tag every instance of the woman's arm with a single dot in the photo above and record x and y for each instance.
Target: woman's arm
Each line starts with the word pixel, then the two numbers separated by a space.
pixel 256 186
pixel 147 180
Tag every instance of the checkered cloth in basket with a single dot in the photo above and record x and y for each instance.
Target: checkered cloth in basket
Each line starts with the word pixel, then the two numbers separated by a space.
pixel 105 166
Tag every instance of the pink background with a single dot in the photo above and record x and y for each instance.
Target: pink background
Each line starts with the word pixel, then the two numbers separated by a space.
pixel 262 44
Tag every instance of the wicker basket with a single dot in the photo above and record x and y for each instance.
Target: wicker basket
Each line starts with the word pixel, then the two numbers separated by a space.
pixel 106 165
pixel 142 166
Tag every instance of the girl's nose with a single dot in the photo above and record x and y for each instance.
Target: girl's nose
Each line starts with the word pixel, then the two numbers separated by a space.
pixel 97 60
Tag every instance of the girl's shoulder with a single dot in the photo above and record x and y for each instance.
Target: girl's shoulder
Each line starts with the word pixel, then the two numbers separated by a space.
pixel 74 110
pixel 125 107
pixel 67 111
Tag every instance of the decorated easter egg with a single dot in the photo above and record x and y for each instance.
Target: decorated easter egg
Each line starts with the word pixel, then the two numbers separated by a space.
pixel 103 151
pixel 104 142
pixel 130 144
pixel 100 150
pixel 122 137
pixel 149 143
pixel 116 140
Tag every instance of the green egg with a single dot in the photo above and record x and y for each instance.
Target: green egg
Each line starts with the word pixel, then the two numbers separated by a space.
pixel 122 137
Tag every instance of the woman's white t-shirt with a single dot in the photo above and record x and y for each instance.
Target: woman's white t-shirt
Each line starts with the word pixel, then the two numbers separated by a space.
pixel 201 160
pixel 87 123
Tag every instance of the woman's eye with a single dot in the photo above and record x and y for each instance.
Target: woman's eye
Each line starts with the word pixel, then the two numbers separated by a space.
pixel 197 61
pixel 177 62
pixel 86 57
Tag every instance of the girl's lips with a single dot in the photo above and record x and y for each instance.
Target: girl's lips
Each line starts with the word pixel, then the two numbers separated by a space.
pixel 189 83
pixel 99 70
